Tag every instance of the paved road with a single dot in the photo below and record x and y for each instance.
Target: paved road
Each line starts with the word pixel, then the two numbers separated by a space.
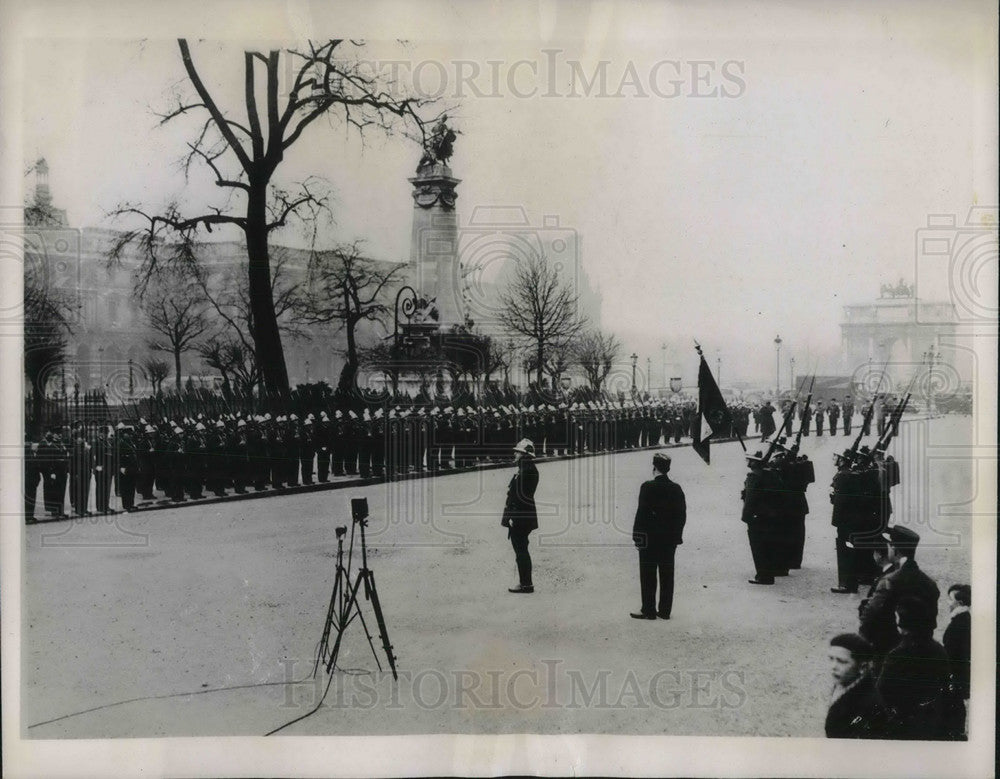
pixel 146 617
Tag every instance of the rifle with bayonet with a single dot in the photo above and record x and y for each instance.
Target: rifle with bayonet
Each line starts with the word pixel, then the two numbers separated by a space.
pixel 786 422
pixel 805 412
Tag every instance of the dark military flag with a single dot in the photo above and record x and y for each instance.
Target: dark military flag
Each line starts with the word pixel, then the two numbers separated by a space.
pixel 713 413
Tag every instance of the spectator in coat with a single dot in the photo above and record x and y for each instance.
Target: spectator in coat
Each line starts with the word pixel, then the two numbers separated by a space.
pixel 854 710
pixel 906 582
pixel 913 682
pixel 957 642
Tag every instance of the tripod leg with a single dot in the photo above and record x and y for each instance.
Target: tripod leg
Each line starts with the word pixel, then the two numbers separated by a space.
pixel 380 619
pixel 324 641
pixel 342 622
pixel 368 635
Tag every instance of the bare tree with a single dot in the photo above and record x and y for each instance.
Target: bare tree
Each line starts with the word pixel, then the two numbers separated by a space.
pixel 234 362
pixel 46 327
pixel 47 309
pixel 541 308
pixel 227 292
pixel 243 157
pixel 178 314
pixel 346 288
pixel 156 371
pixel 596 353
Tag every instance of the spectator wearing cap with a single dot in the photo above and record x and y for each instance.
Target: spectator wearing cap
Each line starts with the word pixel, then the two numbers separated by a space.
pixel 957 642
pixel 906 582
pixel 519 514
pixel 854 709
pixel 881 633
pixel 657 532
pixel 913 682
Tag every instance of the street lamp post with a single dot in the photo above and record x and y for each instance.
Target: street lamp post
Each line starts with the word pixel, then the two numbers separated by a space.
pixel 663 348
pixel 131 380
pixel 649 373
pixel 635 358
pixel 777 364
pixel 791 372
pixel 930 357
pixel 307 371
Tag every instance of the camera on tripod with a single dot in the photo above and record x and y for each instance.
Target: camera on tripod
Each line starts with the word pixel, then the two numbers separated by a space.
pixel 359 509
pixel 341 531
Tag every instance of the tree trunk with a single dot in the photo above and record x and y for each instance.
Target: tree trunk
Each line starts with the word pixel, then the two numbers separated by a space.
pixel 177 369
pixel 541 364
pixel 267 339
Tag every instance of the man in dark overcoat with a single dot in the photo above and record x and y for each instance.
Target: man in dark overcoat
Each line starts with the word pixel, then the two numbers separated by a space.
pixel 657 532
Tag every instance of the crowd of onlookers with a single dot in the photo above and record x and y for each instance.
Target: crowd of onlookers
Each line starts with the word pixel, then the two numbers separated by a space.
pixel 892 679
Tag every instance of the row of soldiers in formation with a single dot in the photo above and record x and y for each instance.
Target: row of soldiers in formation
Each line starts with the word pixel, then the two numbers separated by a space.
pixel 831 415
pixel 188 457
pixel 893 680
pixel 775 504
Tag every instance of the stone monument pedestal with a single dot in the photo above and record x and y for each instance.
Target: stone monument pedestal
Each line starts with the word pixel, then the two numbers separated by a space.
pixel 434 241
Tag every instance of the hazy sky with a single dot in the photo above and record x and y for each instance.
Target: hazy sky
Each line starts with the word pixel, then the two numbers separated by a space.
pixel 759 168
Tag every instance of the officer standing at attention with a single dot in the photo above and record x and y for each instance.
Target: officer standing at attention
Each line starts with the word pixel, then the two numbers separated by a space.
pixel 519 514
pixel 657 531
pixel 848 410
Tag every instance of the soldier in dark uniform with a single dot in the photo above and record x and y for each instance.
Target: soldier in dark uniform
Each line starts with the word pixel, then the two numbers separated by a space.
pixel 378 444
pixel 53 458
pixel 214 458
pixel 421 441
pixel 657 532
pixel 293 440
pixel 833 412
pixel 32 478
pixel 366 440
pixel 307 449
pixel 848 410
pixel 762 500
pixel 797 473
pixel 128 467
pixel 257 452
pixel 820 413
pixel 433 440
pixel 275 443
pixel 519 515
pixel 352 436
pixel 322 434
pixel 238 446
pixel 145 444
pixel 805 418
pixel 104 469
pixel 393 439
pixel 338 436
pixel 866 424
pixel 81 466
pixel 856 497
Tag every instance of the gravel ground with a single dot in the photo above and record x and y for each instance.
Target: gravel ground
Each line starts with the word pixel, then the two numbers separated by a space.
pixel 204 620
